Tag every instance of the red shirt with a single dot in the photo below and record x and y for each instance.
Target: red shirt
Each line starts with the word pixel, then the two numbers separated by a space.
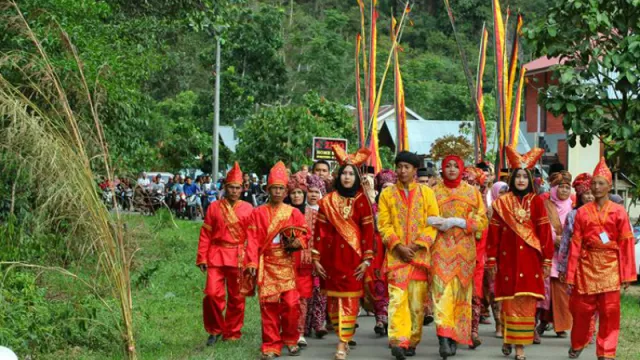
pixel 222 237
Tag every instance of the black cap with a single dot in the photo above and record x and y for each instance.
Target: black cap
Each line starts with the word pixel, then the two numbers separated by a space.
pixel 409 158
pixel 482 165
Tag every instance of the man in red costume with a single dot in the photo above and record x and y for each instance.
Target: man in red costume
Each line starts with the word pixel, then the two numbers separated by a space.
pixel 601 258
pixel 275 231
pixel 220 253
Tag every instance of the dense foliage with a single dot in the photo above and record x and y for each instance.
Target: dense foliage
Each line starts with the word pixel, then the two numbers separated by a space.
pixel 598 84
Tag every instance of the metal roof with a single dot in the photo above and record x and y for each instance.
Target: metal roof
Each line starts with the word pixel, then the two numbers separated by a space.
pixel 228 136
pixel 423 133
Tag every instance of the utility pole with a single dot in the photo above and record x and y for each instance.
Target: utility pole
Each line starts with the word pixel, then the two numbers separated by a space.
pixel 216 116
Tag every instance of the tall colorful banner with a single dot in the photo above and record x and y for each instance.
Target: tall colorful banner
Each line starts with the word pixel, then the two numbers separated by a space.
pixel 362 137
pixel 402 136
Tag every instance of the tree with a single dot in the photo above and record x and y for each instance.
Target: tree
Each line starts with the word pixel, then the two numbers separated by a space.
pixel 452 145
pixel 286 133
pixel 596 88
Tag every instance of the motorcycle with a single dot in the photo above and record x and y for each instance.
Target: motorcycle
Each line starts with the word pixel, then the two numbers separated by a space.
pixel 180 205
pixel 156 201
pixel 192 204
pixel 209 197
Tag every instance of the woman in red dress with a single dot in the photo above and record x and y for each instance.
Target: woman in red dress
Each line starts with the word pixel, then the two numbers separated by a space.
pixel 343 247
pixel 519 251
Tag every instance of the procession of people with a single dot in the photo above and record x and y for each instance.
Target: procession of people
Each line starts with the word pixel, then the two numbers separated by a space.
pixel 459 246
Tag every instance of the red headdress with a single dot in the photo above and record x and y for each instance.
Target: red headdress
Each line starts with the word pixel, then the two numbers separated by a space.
pixel 582 183
pixel 234 176
pixel 298 181
pixel 278 175
pixel 602 170
pixel 527 161
pixel 356 159
pixel 455 182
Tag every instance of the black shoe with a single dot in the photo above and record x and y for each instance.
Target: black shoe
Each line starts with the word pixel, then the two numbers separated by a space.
pixel 398 352
pixel 428 319
pixel 212 340
pixel 445 348
pixel 454 347
pixel 410 352
pixel 353 343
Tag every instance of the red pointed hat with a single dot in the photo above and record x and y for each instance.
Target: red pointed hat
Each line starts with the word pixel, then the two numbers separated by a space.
pixel 278 175
pixel 234 176
pixel 602 170
pixel 525 161
pixel 356 159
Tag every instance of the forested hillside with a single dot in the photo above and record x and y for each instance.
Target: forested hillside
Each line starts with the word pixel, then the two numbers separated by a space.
pixel 152 63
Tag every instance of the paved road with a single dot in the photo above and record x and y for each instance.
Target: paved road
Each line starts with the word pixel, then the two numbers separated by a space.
pixel 371 347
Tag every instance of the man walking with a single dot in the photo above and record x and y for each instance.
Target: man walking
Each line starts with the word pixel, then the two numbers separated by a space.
pixel 601 258
pixel 402 222
pixel 220 255
pixel 275 231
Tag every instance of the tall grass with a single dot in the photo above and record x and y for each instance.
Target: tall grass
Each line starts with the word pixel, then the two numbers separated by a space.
pixel 64 145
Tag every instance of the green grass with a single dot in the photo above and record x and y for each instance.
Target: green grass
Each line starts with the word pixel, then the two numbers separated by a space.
pixel 168 303
pixel 629 346
pixel 167 294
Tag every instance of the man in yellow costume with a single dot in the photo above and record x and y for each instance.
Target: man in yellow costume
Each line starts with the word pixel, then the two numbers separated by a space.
pixel 402 222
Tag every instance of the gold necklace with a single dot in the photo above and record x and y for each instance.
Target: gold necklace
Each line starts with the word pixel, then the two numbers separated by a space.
pixel 347 206
pixel 522 214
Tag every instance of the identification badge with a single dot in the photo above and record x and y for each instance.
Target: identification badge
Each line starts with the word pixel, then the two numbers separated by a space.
pixel 604 237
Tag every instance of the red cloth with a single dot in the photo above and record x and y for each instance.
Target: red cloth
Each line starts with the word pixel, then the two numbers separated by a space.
pixel 519 264
pixel 583 308
pixel 595 267
pixel 214 302
pixel 304 272
pixel 280 322
pixel 452 184
pixel 218 244
pixel 339 256
pixel 478 273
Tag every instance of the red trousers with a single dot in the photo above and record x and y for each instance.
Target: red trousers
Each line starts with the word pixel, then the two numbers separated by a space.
pixel 214 303
pixel 583 308
pixel 280 322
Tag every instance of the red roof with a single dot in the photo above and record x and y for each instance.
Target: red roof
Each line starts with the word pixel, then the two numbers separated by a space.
pixel 541 64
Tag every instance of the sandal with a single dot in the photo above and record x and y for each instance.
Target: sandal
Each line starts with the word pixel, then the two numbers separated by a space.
pixel 294 350
pixel 574 354
pixel 268 356
pixel 340 355
pixel 506 349
pixel 475 342
pixel 520 357
pixel 320 333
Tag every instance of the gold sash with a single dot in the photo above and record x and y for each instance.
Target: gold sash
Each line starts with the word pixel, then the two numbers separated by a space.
pixel 235 228
pixel 518 217
pixel 347 228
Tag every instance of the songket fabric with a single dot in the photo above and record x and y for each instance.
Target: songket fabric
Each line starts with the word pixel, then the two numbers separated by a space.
pixel 519 316
pixel 402 219
pixel 343 313
pixel 304 273
pixel 519 245
pixel 343 240
pixel 376 287
pixel 279 297
pixel 406 314
pixel 601 257
pixel 453 257
pixel 221 248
